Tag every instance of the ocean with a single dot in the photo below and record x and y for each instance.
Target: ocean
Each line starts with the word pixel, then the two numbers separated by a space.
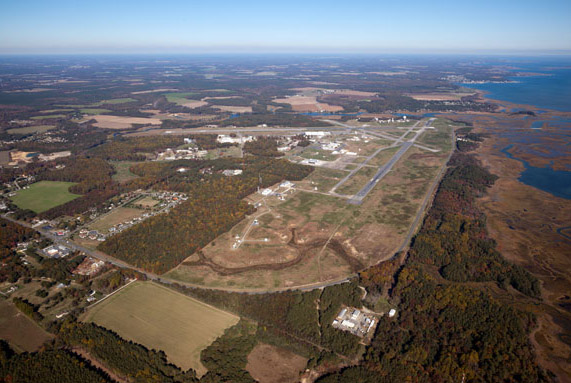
pixel 550 90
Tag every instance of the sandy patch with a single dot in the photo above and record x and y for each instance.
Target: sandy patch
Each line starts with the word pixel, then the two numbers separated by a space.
pixel 193 103
pixel 120 122
pixel 270 364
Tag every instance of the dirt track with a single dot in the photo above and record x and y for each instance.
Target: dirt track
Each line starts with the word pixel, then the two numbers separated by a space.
pixel 304 252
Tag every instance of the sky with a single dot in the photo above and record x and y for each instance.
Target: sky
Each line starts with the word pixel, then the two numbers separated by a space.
pixel 313 26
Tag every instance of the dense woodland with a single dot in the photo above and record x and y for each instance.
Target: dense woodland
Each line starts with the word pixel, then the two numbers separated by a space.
pixel 263 146
pixel 454 238
pixel 134 148
pixel 126 358
pixel 50 366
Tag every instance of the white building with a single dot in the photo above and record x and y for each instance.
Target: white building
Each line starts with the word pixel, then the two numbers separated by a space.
pixel 317 134
pixel 232 172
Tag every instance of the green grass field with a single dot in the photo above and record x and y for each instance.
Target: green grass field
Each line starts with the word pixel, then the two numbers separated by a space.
pixel 114 101
pixel 179 98
pixel 163 319
pixel 123 173
pixel 31 129
pixel 94 111
pixel 52 116
pixel 44 195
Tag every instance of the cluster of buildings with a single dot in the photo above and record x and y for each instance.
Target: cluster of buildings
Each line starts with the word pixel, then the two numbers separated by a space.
pixel 56 251
pixel 354 321
pixel 167 201
pixel 181 154
pixel 232 172
pixel 89 266
pixel 280 192
pixel 390 120
pixel 228 139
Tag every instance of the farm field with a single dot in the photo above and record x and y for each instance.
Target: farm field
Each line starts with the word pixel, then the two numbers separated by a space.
pixel 20 331
pixel 44 195
pixel 31 129
pixel 119 122
pixel 163 319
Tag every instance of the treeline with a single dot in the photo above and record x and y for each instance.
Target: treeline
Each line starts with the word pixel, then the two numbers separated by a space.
pixel 390 102
pixel 27 308
pixel 134 148
pixel 226 357
pixel 10 235
pixel 263 146
pixel 454 236
pixel 126 358
pixel 50 366
pixel 214 207
pixel 68 136
pixel 276 119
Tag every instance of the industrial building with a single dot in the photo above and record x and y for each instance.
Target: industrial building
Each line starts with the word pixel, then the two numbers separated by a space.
pixel 354 321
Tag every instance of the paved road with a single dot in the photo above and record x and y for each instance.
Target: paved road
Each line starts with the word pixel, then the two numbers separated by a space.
pixel 383 170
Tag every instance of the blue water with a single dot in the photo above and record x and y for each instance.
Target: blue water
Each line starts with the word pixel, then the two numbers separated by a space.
pixel 555 182
pixel 550 92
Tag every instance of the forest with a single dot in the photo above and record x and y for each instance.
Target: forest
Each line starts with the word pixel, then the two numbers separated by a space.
pixel 454 237
pixel 128 359
pixel 445 332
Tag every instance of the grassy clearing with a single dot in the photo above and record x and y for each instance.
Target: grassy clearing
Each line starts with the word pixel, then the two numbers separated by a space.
pixel 323 179
pixel 31 129
pixel 20 331
pixel 114 101
pixel 318 154
pixel 123 174
pixel 179 98
pixel 117 216
pixel 163 319
pixel 44 195
pixel 438 138
pixel 94 111
pixel 359 179
pixel 383 157
pixel 52 116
